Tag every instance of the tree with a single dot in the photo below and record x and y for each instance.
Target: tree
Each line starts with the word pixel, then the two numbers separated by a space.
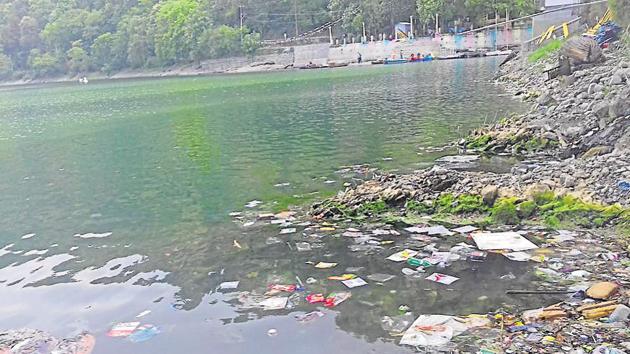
pixel 6 66
pixel 78 60
pixel 102 51
pixel 43 64
pixel 29 33
pixel 179 23
pixel 251 43
pixel 225 41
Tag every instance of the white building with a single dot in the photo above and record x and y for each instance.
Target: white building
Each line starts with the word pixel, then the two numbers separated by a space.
pixel 558 3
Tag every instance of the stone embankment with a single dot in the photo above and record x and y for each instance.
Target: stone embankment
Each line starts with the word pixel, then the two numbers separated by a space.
pixel 572 145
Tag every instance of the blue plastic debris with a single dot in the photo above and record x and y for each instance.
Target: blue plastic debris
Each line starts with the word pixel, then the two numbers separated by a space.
pixel 144 333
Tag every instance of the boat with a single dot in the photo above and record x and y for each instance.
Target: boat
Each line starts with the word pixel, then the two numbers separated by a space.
pixel 497 53
pixel 337 64
pixel 450 57
pixel 395 61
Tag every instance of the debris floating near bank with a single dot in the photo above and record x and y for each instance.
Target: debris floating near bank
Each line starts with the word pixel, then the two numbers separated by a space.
pixel 94 235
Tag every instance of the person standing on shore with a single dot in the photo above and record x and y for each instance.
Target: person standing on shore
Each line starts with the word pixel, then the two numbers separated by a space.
pixel 359 59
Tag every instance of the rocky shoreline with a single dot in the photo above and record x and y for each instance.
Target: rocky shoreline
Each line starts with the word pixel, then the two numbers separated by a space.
pixel 572 145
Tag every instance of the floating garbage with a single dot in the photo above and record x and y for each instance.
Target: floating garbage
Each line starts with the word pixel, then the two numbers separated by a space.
pixel 325 265
pixel 253 204
pixel 272 332
pixel 303 246
pixel 442 278
pixel 274 303
pixel 397 324
pixel 518 256
pixel 93 235
pixel 309 317
pixel 380 278
pixel 275 289
pixel 229 285
pixel 342 277
pixel 144 333
pixel 143 313
pixel 432 230
pixel 432 330
pixel 290 230
pixel 335 299
pixel 354 283
pixel 272 240
pixel 123 329
pixel 27 236
pixel 402 255
pixel 502 241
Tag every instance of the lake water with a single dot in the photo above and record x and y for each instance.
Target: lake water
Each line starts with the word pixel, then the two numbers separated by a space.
pixel 161 163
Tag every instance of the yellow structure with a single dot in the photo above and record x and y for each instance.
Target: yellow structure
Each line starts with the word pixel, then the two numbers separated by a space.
pixel 608 16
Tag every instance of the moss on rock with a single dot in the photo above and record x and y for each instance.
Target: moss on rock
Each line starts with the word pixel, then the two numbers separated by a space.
pixel 505 211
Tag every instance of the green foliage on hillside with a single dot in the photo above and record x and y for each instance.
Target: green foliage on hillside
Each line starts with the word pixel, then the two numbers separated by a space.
pixel 49 37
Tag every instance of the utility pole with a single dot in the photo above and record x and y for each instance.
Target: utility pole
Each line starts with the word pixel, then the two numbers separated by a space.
pixel 364 39
pixel 437 23
pixel 496 28
pixel 507 18
pixel 297 30
pixel 330 34
pixel 411 22
pixel 240 14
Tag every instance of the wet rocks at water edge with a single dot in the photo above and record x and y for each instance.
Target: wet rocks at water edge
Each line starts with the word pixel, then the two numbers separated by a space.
pixel 35 341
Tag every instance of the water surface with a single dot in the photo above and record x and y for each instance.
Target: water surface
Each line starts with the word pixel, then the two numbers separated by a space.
pixel 161 163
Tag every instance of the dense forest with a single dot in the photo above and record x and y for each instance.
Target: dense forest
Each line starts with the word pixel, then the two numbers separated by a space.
pixel 48 37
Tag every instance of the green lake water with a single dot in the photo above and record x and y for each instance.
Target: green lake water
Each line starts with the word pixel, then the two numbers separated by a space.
pixel 160 163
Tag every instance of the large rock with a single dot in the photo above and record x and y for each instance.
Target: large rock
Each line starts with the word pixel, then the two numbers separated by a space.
pixel 545 99
pixel 581 50
pixel 620 106
pixel 623 143
pixel 600 109
pixel 567 180
pixel 536 189
pixel 597 151
pixel 489 194
pixel 616 80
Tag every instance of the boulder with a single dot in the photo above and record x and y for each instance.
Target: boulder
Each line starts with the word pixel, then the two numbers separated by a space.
pixel 489 194
pixel 581 50
pixel 597 151
pixel 536 189
pixel 616 80
pixel 567 180
pixel 619 107
pixel 600 109
pixel 545 99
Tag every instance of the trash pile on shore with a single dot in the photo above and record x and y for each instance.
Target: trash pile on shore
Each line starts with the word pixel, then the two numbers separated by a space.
pixel 583 276
pixel 33 341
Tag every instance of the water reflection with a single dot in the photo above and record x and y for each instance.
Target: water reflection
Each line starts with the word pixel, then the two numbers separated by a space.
pixel 160 164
